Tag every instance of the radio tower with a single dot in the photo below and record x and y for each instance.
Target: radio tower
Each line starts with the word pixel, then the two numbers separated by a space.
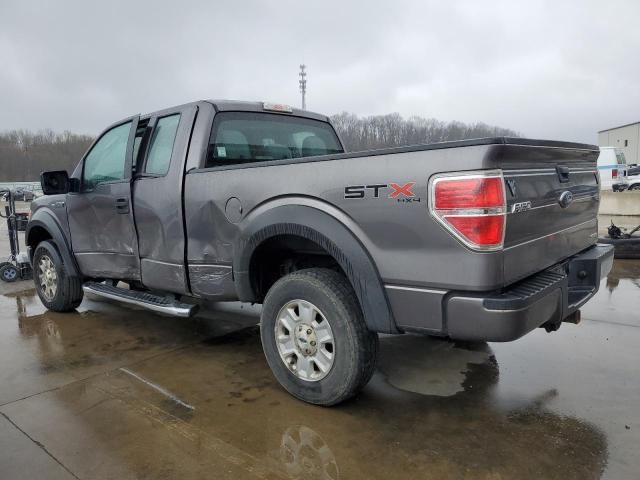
pixel 303 85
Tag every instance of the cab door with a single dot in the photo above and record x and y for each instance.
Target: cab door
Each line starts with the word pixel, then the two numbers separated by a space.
pixel 101 222
pixel 157 196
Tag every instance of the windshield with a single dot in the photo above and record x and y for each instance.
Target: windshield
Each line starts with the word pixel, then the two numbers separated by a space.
pixel 244 137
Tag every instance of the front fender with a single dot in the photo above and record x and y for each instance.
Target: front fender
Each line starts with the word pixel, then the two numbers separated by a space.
pixel 45 219
pixel 332 235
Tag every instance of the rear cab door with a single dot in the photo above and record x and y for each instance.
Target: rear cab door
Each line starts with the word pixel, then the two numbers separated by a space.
pixel 162 144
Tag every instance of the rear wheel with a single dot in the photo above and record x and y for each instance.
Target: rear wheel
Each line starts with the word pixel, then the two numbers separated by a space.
pixel 635 186
pixel 315 338
pixel 57 290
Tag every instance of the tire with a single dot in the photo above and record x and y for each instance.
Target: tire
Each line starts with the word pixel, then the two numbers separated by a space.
pixel 9 273
pixel 67 294
pixel 305 300
pixel 635 186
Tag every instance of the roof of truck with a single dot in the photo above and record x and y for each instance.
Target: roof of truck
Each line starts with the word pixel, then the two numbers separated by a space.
pixel 243 106
pixel 239 105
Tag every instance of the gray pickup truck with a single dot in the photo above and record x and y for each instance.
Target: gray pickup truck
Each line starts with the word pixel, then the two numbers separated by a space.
pixel 478 240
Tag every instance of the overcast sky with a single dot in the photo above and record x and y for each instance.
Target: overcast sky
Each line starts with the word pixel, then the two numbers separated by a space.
pixel 559 70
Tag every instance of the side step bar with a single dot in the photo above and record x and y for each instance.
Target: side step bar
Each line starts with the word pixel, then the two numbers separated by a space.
pixel 156 303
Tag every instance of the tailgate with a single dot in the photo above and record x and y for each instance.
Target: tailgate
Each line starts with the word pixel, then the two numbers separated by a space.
pixel 552 204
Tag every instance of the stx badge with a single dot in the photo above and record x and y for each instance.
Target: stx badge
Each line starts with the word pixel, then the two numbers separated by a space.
pixel 395 191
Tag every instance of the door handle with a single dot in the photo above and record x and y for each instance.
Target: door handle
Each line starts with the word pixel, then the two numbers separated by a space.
pixel 122 205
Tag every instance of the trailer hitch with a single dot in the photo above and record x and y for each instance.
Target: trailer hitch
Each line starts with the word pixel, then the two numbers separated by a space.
pixel 554 325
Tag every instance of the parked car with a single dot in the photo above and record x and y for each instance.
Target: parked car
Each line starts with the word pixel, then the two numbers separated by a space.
pixel 478 240
pixel 611 167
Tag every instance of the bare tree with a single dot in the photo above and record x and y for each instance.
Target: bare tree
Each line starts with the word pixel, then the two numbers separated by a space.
pixel 25 154
pixel 391 130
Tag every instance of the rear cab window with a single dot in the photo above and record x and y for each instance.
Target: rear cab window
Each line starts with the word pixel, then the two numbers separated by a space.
pixel 247 137
pixel 161 145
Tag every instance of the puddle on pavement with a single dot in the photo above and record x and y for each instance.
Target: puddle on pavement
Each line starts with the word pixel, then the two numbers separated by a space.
pixel 156 397
pixel 618 300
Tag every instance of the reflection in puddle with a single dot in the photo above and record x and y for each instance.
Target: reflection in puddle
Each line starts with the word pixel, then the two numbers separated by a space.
pixel 619 298
pixel 429 365
pixel 626 270
pixel 305 455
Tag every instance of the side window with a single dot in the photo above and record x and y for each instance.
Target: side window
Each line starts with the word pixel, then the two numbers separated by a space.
pixel 161 147
pixel 105 162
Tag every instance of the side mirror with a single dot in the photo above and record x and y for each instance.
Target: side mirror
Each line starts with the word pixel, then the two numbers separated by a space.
pixel 55 182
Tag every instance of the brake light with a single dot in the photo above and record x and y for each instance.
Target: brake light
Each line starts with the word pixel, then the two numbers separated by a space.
pixel 472 207
pixel 277 107
pixel 614 172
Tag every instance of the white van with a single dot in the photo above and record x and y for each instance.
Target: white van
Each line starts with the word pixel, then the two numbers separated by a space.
pixel 612 166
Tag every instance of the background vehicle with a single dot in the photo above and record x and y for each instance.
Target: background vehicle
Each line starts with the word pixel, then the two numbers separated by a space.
pixel 633 177
pixel 480 240
pixel 23 194
pixel 611 166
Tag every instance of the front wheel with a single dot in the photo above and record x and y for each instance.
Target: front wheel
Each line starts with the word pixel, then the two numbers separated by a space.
pixel 315 338
pixel 57 290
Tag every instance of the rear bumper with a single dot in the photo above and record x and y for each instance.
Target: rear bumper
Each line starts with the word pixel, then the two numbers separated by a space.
pixel 547 297
pixel 620 187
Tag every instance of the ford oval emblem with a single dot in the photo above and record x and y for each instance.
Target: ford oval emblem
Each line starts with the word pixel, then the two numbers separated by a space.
pixel 565 199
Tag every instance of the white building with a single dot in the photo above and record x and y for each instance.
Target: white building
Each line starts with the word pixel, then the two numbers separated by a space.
pixel 625 137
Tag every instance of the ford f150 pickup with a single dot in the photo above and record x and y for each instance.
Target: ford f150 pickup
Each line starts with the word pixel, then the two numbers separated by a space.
pixel 477 240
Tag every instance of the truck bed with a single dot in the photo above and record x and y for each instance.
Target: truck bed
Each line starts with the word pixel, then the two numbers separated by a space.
pixel 407 244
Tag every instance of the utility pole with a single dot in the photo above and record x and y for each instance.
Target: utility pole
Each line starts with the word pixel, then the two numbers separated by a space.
pixel 303 85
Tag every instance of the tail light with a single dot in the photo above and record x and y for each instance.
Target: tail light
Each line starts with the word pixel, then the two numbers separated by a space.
pixel 472 207
pixel 614 172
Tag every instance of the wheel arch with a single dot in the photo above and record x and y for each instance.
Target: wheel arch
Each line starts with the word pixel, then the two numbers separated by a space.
pixel 329 234
pixel 44 226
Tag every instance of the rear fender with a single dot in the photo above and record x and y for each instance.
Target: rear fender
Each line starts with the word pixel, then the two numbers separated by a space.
pixel 334 237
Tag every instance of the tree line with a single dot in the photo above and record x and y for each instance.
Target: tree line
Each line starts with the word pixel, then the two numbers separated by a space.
pixel 24 153
pixel 392 130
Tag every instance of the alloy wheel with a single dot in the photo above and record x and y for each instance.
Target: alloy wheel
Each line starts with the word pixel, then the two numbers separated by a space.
pixel 48 277
pixel 305 340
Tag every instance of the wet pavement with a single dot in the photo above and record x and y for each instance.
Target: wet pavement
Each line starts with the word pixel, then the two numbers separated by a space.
pixel 113 392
